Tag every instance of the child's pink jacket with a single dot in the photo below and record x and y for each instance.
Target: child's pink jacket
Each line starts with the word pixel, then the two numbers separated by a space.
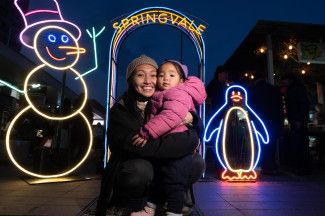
pixel 169 108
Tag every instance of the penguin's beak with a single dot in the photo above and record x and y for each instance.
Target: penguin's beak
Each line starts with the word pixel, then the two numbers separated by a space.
pixel 73 50
pixel 236 98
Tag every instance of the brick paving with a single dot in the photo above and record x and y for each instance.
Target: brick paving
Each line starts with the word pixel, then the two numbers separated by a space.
pixel 287 195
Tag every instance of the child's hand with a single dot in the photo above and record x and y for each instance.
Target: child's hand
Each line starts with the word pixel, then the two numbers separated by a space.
pixel 188 120
pixel 137 140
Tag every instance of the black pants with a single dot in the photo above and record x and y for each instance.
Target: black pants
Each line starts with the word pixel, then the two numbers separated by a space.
pixel 135 176
pixel 171 178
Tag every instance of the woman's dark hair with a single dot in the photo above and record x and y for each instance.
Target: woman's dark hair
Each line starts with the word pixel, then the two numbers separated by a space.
pixel 130 98
pixel 178 69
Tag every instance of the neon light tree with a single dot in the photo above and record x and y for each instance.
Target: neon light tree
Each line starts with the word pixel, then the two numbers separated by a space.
pixel 55 43
pixel 239 132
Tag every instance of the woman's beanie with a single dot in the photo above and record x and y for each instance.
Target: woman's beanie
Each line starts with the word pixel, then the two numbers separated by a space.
pixel 183 66
pixel 143 59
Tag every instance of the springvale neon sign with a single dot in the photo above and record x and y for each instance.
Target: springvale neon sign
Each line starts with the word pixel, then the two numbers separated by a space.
pixel 161 17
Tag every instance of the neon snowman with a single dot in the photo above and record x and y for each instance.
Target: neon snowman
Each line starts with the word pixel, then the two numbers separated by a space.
pixel 57 48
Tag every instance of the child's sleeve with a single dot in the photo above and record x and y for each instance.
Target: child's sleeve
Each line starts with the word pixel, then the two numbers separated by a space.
pixel 195 87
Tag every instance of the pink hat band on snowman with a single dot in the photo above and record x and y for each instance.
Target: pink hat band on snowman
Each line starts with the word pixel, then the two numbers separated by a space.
pixel 36 18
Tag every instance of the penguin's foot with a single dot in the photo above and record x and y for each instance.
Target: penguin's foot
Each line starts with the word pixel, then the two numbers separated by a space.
pixel 239 175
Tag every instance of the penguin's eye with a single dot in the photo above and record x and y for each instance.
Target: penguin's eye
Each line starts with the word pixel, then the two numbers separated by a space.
pixel 64 39
pixel 238 93
pixel 232 93
pixel 51 38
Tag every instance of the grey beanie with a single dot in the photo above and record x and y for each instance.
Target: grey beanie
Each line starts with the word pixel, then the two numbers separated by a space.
pixel 143 59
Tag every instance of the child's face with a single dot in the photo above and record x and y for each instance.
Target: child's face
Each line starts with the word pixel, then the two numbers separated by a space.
pixel 168 77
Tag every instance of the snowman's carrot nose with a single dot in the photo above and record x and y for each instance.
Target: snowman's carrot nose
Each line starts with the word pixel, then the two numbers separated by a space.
pixel 75 50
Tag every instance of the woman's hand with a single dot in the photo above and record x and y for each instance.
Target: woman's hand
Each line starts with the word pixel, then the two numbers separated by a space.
pixel 188 120
pixel 137 140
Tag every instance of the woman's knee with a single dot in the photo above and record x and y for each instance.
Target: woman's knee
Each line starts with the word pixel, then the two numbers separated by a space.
pixel 137 173
pixel 198 168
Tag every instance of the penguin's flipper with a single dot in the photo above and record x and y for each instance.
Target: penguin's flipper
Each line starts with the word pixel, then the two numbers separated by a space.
pixel 208 138
pixel 259 126
pixel 213 125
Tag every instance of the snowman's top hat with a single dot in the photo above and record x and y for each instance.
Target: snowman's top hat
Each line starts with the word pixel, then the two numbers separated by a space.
pixel 48 13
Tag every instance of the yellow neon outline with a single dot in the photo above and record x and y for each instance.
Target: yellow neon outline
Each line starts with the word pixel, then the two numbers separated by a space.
pixel 36 174
pixel 45 115
pixel 76 49
pixel 224 140
pixel 122 28
pixel 40 56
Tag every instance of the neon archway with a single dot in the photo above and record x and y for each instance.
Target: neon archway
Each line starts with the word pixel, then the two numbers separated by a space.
pixel 150 16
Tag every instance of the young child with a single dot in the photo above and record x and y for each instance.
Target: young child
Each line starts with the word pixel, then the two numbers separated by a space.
pixel 177 94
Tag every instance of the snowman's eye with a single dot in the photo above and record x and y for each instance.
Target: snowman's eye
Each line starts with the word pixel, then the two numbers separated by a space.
pixel 64 39
pixel 51 38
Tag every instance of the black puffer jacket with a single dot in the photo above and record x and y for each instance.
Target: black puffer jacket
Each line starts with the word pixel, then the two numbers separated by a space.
pixel 124 123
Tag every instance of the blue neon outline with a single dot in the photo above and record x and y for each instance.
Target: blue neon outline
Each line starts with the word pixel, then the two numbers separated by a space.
pixel 218 144
pixel 258 146
pixel 49 38
pixel 201 58
pixel 257 134
pixel 67 38
pixel 11 86
pixel 92 35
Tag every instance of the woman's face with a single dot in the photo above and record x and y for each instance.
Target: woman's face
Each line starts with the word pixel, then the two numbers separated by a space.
pixel 168 76
pixel 145 79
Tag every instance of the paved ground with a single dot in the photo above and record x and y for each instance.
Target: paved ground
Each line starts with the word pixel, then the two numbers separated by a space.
pixel 265 198
pixel 17 197
pixel 286 194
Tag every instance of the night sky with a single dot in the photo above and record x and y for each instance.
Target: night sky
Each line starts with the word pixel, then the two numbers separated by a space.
pixel 228 23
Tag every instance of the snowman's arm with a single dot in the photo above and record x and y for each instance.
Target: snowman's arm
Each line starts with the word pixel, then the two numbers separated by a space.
pixel 93 36
pixel 209 129
pixel 21 91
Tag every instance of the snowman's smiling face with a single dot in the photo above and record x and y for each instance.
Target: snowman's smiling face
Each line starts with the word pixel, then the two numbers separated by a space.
pixel 57 47
pixel 236 96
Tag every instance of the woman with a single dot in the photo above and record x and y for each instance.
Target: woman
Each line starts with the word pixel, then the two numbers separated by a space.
pixel 128 173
